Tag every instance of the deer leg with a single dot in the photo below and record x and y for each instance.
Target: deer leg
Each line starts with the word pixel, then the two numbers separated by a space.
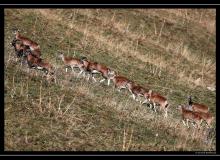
pixel 194 125
pixel 198 125
pixel 21 63
pixel 184 123
pixel 79 73
pixel 150 106
pixel 154 105
pixel 145 101
pixel 108 82
pixel 165 115
pixel 88 77
pixel 119 89
pixel 137 99
pixel 208 125
pixel 73 69
pixel 133 96
pixel 187 123
pixel 94 78
pixel 130 90
pixel 84 73
pixel 102 80
pixel 140 101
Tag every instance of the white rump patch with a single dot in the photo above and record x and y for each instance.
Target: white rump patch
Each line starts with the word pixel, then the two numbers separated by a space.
pixel 31 48
pixel 39 67
pixel 95 71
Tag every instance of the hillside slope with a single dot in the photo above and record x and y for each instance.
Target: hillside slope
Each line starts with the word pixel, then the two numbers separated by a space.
pixel 170 51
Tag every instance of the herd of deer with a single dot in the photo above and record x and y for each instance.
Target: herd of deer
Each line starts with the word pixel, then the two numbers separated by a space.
pixel 30 51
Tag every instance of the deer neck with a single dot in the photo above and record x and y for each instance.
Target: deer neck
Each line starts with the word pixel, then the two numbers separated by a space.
pixel 63 58
pixel 17 36
pixel 190 102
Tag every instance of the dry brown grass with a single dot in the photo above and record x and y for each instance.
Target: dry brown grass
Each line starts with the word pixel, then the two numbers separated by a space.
pixel 120 48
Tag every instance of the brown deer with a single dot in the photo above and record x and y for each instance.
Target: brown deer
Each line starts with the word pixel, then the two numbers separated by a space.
pixel 120 82
pixel 32 60
pixel 136 90
pixel 157 99
pixel 189 116
pixel 20 48
pixel 38 63
pixel 94 68
pixel 24 51
pixel 46 67
pixel 72 62
pixel 207 117
pixel 196 107
pixel 26 41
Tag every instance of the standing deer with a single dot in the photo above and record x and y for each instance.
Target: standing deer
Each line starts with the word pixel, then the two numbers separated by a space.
pixel 20 48
pixel 190 116
pixel 196 107
pixel 26 41
pixel 94 68
pixel 136 90
pixel 120 82
pixel 38 63
pixel 157 99
pixel 32 60
pixel 207 117
pixel 72 62
pixel 46 67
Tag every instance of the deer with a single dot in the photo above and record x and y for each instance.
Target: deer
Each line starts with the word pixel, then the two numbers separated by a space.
pixel 120 82
pixel 207 117
pixel 196 107
pixel 38 63
pixel 136 90
pixel 190 116
pixel 36 53
pixel 46 67
pixel 32 60
pixel 20 48
pixel 156 99
pixel 26 41
pixel 94 68
pixel 72 62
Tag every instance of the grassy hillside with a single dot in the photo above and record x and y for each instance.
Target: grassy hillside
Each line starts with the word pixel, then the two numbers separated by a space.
pixel 171 51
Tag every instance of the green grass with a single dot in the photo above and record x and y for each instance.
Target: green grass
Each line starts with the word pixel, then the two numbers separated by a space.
pixel 75 114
